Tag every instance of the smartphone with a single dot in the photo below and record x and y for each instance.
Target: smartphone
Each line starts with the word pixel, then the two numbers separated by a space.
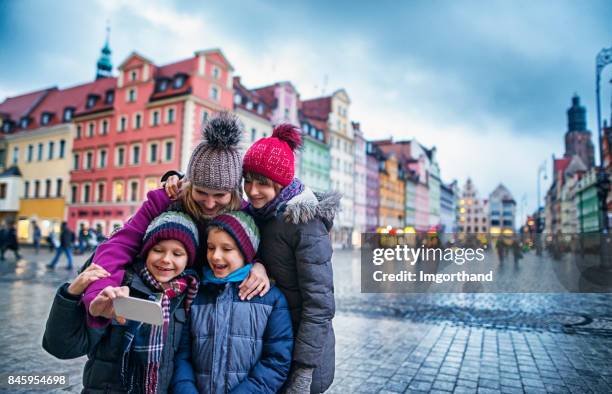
pixel 146 311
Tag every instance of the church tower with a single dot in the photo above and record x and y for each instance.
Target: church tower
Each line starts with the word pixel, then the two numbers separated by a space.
pixel 104 67
pixel 578 138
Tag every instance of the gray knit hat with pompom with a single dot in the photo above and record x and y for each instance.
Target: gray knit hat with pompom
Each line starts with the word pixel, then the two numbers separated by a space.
pixel 216 162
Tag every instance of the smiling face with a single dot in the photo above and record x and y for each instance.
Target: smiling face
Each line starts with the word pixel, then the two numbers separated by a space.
pixel 166 260
pixel 260 190
pixel 211 201
pixel 222 253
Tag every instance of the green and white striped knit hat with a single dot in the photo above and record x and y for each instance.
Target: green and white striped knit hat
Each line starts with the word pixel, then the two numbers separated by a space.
pixel 242 228
pixel 172 225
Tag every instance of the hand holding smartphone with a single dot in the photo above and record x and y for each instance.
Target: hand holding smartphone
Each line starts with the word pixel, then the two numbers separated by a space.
pixel 137 309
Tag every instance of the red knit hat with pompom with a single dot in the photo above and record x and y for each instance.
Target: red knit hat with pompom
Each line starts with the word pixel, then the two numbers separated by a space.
pixel 273 157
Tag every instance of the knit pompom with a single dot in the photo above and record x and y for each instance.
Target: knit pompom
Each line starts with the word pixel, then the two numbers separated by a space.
pixel 290 134
pixel 223 131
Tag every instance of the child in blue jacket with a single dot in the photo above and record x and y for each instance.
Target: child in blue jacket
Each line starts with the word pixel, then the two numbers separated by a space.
pixel 230 345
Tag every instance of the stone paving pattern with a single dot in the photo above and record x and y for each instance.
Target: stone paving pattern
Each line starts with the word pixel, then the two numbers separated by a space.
pixel 386 343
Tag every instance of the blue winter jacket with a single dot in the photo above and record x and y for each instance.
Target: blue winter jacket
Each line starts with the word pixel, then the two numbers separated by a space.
pixel 234 346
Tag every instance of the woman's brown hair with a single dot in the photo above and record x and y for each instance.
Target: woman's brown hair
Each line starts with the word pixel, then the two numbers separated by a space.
pixel 194 209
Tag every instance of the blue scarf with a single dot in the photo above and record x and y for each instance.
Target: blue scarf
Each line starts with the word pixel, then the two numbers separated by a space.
pixel 236 276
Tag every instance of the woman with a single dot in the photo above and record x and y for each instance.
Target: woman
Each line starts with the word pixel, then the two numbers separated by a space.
pixel 214 178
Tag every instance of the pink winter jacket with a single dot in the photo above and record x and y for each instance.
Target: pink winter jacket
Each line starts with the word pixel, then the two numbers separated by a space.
pixel 119 251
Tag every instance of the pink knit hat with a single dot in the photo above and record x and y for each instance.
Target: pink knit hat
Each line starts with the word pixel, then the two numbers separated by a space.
pixel 273 157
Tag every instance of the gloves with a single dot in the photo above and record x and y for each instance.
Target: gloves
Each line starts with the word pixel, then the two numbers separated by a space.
pixel 299 381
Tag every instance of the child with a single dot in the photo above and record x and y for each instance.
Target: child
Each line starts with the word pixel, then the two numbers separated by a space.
pixel 215 174
pixel 232 345
pixel 296 250
pixel 136 357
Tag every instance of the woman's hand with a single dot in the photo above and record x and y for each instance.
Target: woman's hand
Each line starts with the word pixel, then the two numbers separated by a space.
pixel 85 278
pixel 102 305
pixel 173 186
pixel 256 283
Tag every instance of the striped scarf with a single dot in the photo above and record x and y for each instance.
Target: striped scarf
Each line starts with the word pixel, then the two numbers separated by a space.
pixel 143 343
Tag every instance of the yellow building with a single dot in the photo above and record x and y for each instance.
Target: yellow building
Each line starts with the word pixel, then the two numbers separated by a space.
pixel 42 156
pixel 392 194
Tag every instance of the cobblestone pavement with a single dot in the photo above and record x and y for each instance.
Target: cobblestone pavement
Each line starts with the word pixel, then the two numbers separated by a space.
pixel 386 343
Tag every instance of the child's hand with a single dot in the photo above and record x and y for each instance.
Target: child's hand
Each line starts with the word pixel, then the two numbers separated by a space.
pixel 256 283
pixel 102 305
pixel 90 275
pixel 173 186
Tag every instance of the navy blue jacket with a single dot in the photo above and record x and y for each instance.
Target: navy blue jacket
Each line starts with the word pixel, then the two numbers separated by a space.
pixel 234 346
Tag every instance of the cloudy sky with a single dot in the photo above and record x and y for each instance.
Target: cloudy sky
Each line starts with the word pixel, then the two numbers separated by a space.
pixel 487 83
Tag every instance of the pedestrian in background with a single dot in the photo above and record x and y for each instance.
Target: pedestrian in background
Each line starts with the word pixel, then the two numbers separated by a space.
pixel 65 246
pixel 3 234
pixel 36 236
pixel 83 235
pixel 11 242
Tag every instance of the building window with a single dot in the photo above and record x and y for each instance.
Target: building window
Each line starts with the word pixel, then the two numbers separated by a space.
pixel 91 129
pixel 100 197
pixel 214 93
pixel 75 161
pixel 237 99
pixel 155 118
pixel 51 149
pixel 62 151
pixel 73 194
pixel 58 187
pixel 135 154
pixel 253 135
pixel 78 131
pixel 102 158
pixel 120 158
pixel 153 153
pixel 131 95
pixel 110 96
pixel 68 113
pixel 30 153
pixel 36 189
pixel 150 184
pixel 15 155
pixel 133 76
pixel 122 123
pixel 205 116
pixel 40 152
pixel 134 191
pixel 48 188
pixel 91 101
pixel 169 150
pixel 45 119
pixel 179 81
pixel 104 127
pixel 26 189
pixel 162 85
pixel 170 115
pixel 137 121
pixel 86 192
pixel 216 73
pixel 25 122
pixel 118 191
pixel 88 161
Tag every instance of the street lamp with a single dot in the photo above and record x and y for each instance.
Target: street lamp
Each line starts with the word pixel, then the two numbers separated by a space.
pixel 604 57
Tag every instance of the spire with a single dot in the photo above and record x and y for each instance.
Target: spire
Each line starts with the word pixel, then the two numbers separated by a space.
pixel 576 116
pixel 104 67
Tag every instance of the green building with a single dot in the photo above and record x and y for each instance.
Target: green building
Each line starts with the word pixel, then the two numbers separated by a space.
pixel 314 165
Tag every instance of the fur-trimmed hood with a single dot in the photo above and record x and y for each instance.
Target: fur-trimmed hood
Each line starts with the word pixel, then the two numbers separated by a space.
pixel 309 205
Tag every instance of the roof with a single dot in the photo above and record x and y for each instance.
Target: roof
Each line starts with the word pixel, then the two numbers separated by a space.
pixel 561 164
pixel 11 171
pixel 575 165
pixel 218 52
pixel 22 105
pixel 317 123
pixel 186 67
pixel 268 95
pixel 251 96
pixel 319 108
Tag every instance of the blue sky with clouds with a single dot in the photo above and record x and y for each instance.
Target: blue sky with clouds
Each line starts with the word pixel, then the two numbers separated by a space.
pixel 487 83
